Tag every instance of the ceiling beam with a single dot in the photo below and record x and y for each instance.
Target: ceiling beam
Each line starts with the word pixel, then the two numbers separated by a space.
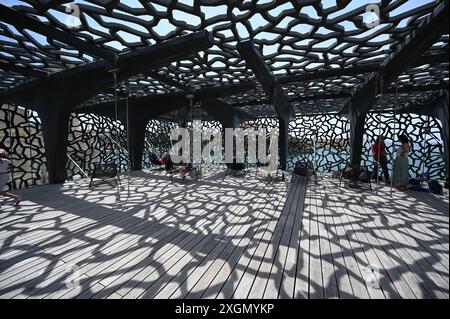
pixel 274 91
pixel 152 101
pixel 407 54
pixel 167 80
pixel 26 71
pixel 431 59
pixel 22 21
pixel 223 112
pixel 222 91
pixel 334 96
pixel 297 99
pixel 417 88
pixel 355 70
pixel 308 76
pixel 142 60
pixel 409 51
pixel 264 75
pixel 209 97
pixel 81 83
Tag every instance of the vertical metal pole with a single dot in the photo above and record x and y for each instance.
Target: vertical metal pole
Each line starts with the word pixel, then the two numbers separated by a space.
pixel 379 132
pixel 395 133
pixel 116 147
pixel 11 142
pixel 30 153
pixel 128 131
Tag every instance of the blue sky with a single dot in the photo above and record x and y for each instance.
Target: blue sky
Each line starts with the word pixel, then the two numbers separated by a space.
pixel 164 27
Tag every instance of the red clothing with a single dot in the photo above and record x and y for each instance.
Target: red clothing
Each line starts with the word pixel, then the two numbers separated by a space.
pixel 381 148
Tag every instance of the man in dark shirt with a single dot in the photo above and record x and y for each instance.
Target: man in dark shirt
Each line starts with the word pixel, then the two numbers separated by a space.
pixel 380 158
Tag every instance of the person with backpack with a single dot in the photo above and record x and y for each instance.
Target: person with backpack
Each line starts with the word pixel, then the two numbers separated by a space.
pixel 379 155
pixel 401 164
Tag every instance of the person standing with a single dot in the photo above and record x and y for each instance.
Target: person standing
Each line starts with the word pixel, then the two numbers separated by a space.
pixel 5 163
pixel 379 155
pixel 401 165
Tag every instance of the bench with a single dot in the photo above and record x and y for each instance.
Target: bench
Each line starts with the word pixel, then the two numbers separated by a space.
pixel 105 172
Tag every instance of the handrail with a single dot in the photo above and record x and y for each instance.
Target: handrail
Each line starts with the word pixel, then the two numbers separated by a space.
pixel 118 144
pixel 77 166
pixel 147 142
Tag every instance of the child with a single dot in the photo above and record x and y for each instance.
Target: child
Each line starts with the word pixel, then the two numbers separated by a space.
pixel 4 176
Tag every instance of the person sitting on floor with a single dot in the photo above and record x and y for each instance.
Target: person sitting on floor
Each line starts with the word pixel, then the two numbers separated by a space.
pixel 167 162
pixel 185 165
pixel 154 159
pixel 5 163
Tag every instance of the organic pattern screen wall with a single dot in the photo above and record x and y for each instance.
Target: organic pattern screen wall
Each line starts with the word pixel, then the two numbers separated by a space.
pixel 321 139
pixel 92 139
pixel 157 139
pixel 96 139
pixel 21 135
pixel 425 139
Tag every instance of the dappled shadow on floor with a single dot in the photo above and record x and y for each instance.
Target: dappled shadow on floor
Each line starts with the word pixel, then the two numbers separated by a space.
pixel 402 237
pixel 221 238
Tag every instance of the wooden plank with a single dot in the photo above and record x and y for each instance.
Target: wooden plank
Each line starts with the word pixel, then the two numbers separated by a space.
pixel 363 250
pixel 80 257
pixel 209 279
pixel 175 235
pixel 427 283
pixel 381 258
pixel 273 287
pixel 146 245
pixel 140 279
pixel 288 280
pixel 238 266
pixel 316 285
pixel 260 283
pixel 329 276
pixel 234 247
pixel 225 260
pixel 340 285
pixel 59 252
pixel 349 257
pixel 301 286
pixel 142 287
pixel 254 260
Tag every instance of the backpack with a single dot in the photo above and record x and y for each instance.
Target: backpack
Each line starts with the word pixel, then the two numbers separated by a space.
pixel 424 177
pixel 364 176
pixel 303 169
pixel 435 187
pixel 168 165
pixel 420 188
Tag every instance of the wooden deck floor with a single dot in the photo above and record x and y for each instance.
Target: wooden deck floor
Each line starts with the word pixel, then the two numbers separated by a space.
pixel 223 238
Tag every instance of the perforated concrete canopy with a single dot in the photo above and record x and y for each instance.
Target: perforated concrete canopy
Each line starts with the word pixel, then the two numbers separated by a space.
pixel 319 52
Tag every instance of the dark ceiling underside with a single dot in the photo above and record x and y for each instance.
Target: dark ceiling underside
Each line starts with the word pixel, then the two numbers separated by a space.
pixel 319 52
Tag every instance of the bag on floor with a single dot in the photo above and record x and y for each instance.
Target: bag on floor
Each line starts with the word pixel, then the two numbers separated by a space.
pixel 420 188
pixel 365 175
pixel 414 181
pixel 302 169
pixel 424 177
pixel 435 187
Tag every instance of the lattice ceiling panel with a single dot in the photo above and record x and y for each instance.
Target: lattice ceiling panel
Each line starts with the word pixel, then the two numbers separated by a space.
pixel 390 101
pixel 428 73
pixel 293 36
